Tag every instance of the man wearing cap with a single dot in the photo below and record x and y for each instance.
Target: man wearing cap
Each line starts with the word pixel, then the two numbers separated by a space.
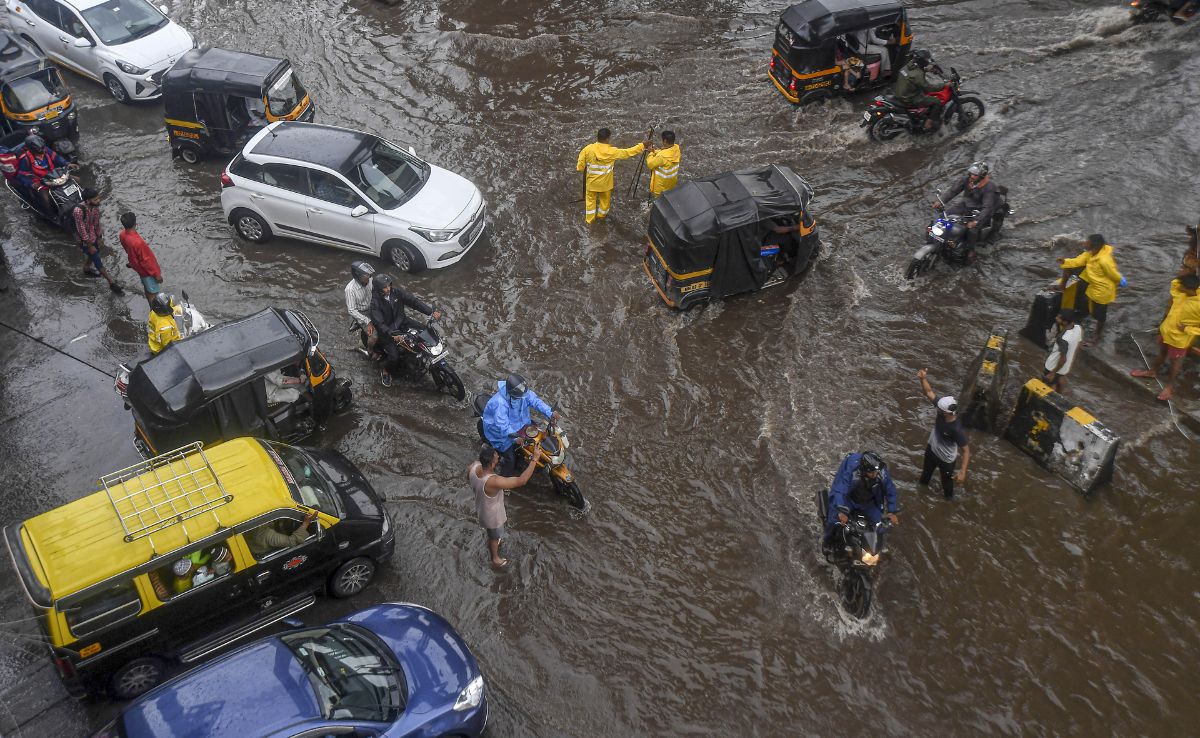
pixel 1099 274
pixel 862 484
pixel 945 441
pixel 506 414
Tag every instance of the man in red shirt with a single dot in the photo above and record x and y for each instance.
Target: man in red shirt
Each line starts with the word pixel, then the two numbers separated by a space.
pixel 141 258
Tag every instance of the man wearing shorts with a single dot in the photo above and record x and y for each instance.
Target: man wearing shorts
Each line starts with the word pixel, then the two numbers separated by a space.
pixel 1067 336
pixel 1180 325
pixel 89 236
pixel 141 258
pixel 489 488
pixel 945 441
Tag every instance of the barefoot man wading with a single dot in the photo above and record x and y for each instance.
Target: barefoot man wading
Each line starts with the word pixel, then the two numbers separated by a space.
pixel 489 488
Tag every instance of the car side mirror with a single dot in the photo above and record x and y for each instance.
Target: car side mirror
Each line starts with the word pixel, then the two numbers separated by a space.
pixel 412 151
pixel 164 9
pixel 359 211
pixel 82 43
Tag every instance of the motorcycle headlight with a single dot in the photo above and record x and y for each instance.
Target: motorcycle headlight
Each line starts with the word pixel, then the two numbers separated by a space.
pixel 937 230
pixel 128 68
pixel 436 350
pixel 471 696
pixel 435 235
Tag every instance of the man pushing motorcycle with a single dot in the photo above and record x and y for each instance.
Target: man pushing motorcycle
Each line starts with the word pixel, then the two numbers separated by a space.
pixel 980 195
pixel 506 414
pixel 862 484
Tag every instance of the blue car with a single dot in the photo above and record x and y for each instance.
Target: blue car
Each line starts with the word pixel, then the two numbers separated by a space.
pixel 393 670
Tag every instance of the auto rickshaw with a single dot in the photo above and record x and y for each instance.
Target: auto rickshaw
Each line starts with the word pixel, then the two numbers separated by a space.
pixel 214 100
pixel 737 232
pixel 32 93
pixel 260 376
pixel 817 40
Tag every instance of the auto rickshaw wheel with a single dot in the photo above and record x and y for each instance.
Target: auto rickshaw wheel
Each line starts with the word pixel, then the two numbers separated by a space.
pixel 136 677
pixel 251 227
pixel 116 89
pixel 405 258
pixel 190 154
pixel 351 577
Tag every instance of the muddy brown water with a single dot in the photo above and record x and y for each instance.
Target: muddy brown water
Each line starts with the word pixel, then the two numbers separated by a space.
pixel 692 600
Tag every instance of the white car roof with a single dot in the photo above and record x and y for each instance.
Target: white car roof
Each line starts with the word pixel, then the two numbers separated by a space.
pixel 84 4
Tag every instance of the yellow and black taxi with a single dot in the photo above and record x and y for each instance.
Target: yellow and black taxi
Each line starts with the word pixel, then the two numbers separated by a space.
pixel 733 233
pixel 215 100
pixel 835 47
pixel 183 554
pixel 32 92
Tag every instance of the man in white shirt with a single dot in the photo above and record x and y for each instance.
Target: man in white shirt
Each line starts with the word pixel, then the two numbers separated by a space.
pixel 1065 341
pixel 358 299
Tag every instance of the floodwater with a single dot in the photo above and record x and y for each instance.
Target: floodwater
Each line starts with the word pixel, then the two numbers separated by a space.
pixel 692 599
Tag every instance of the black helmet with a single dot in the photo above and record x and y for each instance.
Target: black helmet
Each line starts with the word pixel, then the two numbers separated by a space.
pixel 922 58
pixel 381 281
pixel 360 269
pixel 979 169
pixel 35 142
pixel 515 384
pixel 161 304
pixel 870 462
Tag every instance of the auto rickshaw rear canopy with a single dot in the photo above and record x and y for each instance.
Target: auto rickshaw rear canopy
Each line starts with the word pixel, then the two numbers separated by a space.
pixel 815 23
pixel 223 71
pixel 719 223
pixel 18 58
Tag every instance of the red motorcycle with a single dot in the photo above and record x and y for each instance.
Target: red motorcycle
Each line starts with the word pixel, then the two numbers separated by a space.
pixel 888 117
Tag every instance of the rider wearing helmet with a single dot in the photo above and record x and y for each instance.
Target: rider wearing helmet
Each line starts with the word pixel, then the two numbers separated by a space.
pixel 388 301
pixel 506 414
pixel 862 483
pixel 980 195
pixel 912 87
pixel 358 298
pixel 38 160
pixel 161 327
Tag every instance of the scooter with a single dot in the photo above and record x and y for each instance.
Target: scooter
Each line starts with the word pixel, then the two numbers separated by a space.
pixel 65 192
pixel 427 355
pixel 946 237
pixel 857 550
pixel 1148 11
pixel 553 441
pixel 188 319
pixel 888 117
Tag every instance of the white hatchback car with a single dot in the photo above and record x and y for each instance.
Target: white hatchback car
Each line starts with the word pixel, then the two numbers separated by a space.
pixel 126 45
pixel 352 190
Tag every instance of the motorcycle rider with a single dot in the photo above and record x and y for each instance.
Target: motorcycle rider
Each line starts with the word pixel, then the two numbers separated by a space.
pixel 862 483
pixel 161 328
pixel 506 413
pixel 912 88
pixel 358 299
pixel 980 194
pixel 38 160
pixel 390 321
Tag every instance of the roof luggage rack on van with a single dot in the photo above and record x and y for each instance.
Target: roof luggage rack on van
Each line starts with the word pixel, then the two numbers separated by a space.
pixel 184 485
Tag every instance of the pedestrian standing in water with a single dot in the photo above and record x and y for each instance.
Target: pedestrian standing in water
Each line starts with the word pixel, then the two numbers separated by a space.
pixel 1064 344
pixel 90 237
pixel 1100 277
pixel 945 441
pixel 489 488
pixel 141 258
pixel 1179 327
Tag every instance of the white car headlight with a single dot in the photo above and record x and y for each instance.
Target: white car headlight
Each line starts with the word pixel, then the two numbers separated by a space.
pixel 435 236
pixel 471 696
pixel 128 68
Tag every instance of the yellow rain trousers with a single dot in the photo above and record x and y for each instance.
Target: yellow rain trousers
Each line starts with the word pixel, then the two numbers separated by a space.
pixel 596 160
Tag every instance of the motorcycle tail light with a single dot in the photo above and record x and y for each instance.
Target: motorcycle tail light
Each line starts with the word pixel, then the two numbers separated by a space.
pixel 772 62
pixel 792 86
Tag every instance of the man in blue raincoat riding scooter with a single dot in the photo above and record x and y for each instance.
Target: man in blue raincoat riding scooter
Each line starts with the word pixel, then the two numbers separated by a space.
pixel 506 414
pixel 862 483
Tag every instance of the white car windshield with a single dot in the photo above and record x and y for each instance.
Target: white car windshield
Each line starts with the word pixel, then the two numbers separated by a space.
pixel 119 21
pixel 388 175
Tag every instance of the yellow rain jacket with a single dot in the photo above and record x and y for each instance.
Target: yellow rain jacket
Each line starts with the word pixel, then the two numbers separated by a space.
pixel 664 169
pixel 1100 272
pixel 597 160
pixel 1185 313
pixel 162 330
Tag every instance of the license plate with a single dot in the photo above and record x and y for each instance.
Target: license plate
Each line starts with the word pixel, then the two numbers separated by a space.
pixel 71 189
pixel 867 115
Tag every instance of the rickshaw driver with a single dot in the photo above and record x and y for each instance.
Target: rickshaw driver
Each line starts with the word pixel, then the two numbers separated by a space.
pixel 913 88
pixel 506 414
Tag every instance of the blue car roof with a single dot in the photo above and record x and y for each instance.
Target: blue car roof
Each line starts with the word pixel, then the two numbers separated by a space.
pixel 253 691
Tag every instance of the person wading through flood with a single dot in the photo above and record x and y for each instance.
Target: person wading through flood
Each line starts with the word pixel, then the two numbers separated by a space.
pixel 596 161
pixel 945 441
pixel 1179 327
pixel 1063 346
pixel 1100 277
pixel 489 488
pixel 663 164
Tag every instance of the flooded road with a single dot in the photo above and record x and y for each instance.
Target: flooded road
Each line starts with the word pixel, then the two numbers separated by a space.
pixel 693 599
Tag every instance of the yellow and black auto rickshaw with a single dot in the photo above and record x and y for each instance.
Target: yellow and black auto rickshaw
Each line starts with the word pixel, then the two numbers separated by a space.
pixel 32 93
pixel 214 100
pixel 737 232
pixel 837 47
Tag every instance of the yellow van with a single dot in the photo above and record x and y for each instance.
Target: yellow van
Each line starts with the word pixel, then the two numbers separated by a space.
pixel 183 554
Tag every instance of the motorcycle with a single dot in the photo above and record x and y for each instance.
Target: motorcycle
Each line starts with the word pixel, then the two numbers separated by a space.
pixel 856 551
pixel 553 441
pixel 946 237
pixel 189 321
pixel 427 355
pixel 1148 11
pixel 65 192
pixel 888 117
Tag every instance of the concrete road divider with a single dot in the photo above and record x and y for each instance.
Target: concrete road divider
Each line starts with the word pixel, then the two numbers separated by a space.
pixel 983 391
pixel 1063 438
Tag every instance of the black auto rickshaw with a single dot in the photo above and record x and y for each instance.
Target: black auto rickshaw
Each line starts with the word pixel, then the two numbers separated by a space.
pixel 260 376
pixel 32 93
pixel 816 41
pixel 738 232
pixel 214 100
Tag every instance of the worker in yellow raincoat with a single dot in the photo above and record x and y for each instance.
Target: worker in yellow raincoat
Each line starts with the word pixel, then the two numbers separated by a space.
pixel 161 327
pixel 664 165
pixel 1101 275
pixel 596 162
